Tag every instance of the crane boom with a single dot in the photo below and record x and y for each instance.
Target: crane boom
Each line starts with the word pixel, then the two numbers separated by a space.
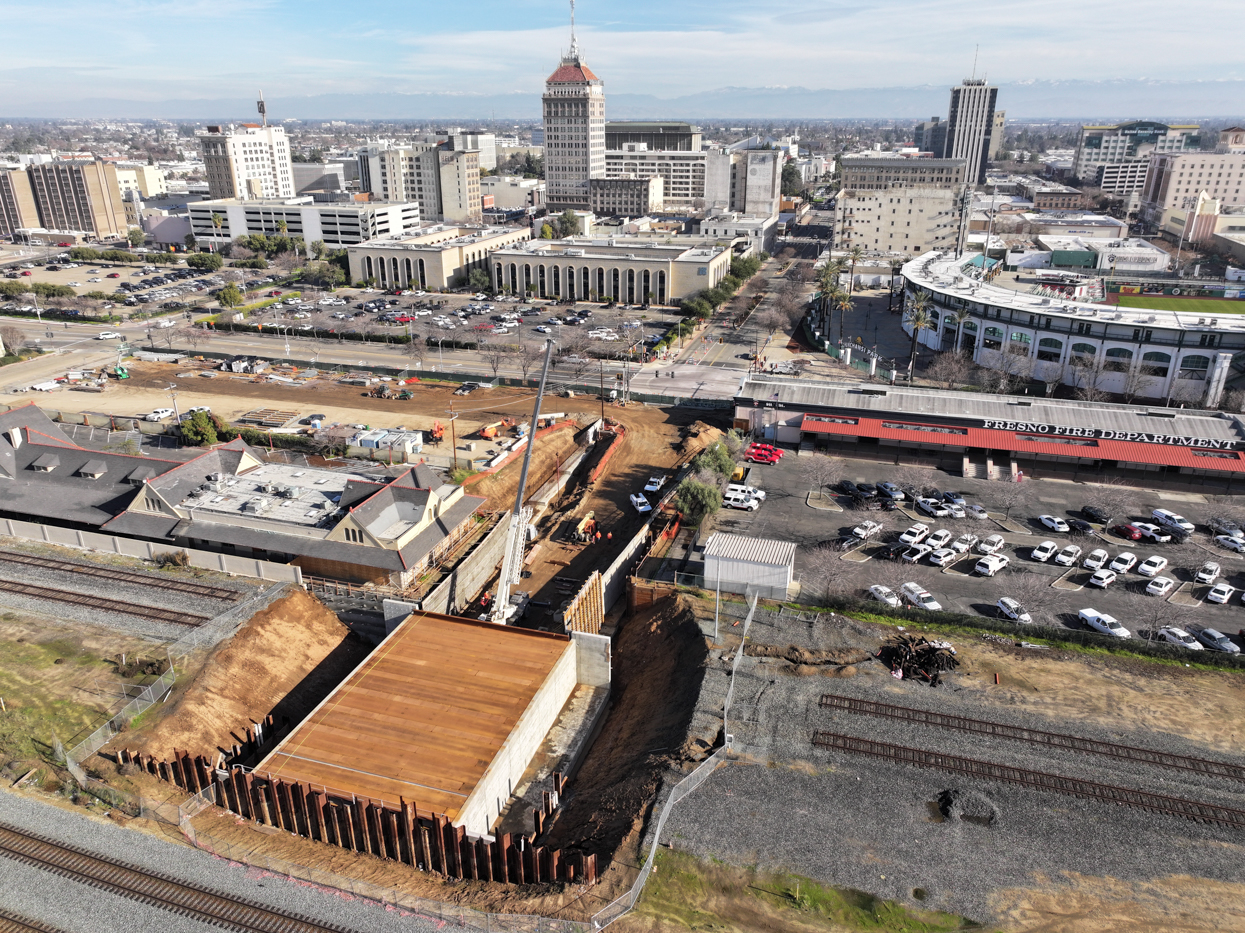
pixel 512 560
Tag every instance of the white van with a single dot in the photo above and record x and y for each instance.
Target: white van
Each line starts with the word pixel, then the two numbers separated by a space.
pixel 748 492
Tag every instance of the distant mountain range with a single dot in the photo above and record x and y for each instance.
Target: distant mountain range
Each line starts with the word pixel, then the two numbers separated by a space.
pixel 1027 100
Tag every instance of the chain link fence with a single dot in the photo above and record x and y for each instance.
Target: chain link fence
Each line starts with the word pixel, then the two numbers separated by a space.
pixel 146 698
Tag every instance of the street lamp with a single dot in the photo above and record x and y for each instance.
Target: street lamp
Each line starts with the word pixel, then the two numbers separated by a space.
pixel 172 390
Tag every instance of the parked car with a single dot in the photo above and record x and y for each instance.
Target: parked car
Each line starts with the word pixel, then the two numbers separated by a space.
pixel 991 545
pixel 107 335
pixel 640 503
pixel 891 491
pixel 964 543
pixel 1230 542
pixel 758 494
pixel 1095 559
pixel 933 507
pixel 1044 551
pixel 976 511
pixel 916 534
pixel 1160 586
pixel 1153 532
pixel 918 596
pixel 655 483
pixel 847 487
pixel 1124 562
pixel 867 489
pixel 866 530
pixel 1127 532
pixel 957 511
pixel 1215 641
pixel 939 538
pixel 1170 519
pixel 884 595
pixel 956 498
pixel 892 551
pixel 1077 526
pixel 1178 636
pixel 1103 578
pixel 1208 573
pixel 159 414
pixel 1222 526
pixel 1010 608
pixel 737 501
pixel 1220 593
pixel 1068 556
pixel 1152 565
pixel 1054 523
pixel 1104 623
pixel 991 564
pixel 943 556
pixel 914 554
pixel 761 456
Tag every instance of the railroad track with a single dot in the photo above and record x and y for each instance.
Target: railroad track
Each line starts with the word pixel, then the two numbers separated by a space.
pixel 107 605
pixel 15 923
pixel 121 576
pixel 1041 780
pixel 1035 736
pixel 153 888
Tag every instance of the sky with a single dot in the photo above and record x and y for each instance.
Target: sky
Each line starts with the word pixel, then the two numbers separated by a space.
pixel 194 49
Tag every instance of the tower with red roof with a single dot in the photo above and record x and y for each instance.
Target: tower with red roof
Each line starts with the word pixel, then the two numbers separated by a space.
pixel 574 115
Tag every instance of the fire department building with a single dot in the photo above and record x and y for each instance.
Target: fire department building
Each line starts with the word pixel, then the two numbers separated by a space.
pixel 994 436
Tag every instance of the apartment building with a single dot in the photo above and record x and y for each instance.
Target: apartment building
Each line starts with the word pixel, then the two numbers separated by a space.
pixel 910 220
pixel 875 172
pixel 80 197
pixel 18 210
pixel 629 197
pixel 336 224
pixel 573 107
pixel 970 127
pixel 145 181
pixel 444 182
pixel 1128 145
pixel 1176 179
pixel 247 161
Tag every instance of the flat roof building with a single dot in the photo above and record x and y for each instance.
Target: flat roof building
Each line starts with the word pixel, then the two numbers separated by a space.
pixel 336 224
pixel 874 172
pixel 432 256
pixel 627 197
pixel 1128 144
pixel 655 136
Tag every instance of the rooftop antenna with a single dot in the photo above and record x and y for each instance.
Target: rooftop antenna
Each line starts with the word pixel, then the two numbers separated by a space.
pixel 574 53
pixel 976 49
pixel 262 107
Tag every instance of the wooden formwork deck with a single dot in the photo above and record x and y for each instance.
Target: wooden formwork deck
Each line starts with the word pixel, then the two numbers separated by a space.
pixel 423 717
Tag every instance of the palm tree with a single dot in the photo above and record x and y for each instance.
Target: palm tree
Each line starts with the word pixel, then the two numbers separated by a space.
pixel 827 284
pixel 844 304
pixel 958 317
pixel 920 318
pixel 896 265
pixel 217 222
pixel 855 254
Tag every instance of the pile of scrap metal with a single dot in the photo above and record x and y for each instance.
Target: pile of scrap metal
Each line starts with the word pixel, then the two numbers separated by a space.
pixel 917 656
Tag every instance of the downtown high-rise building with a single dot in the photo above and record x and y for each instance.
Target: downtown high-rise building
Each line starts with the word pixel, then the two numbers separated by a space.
pixel 970 127
pixel 574 118
pixel 247 162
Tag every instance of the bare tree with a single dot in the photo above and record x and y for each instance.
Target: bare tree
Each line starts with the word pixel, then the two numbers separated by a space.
pixel 1151 613
pixel 496 355
pixel 416 349
pixel 829 575
pixel 1113 495
pixel 195 337
pixel 1007 495
pixel 1034 592
pixel 951 369
pixel 1086 372
pixel 771 320
pixel 916 475
pixel 12 338
pixel 529 356
pixel 821 471
pixel 1188 393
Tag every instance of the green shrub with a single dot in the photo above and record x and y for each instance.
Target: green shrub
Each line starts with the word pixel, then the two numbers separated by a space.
pixel 697 500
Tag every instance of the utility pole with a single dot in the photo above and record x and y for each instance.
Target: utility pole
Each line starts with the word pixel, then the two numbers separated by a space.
pixel 602 365
pixel 453 438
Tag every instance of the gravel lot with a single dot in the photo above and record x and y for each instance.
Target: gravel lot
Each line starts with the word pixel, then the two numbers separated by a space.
pixel 856 822
pixel 76 908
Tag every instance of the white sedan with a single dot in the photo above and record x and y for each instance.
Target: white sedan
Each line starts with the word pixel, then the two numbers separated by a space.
pixel 1054 523
pixel 1178 636
pixel 1095 559
pixel 964 543
pixel 943 556
pixel 884 594
pixel 1151 566
pixel 1209 573
pixel 1160 586
pixel 939 538
pixel 866 530
pixel 1103 578
pixel 1124 563
pixel 1220 593
pixel 640 503
pixel 1068 556
pixel 991 545
pixel 1044 551
pixel 107 335
pixel 1231 543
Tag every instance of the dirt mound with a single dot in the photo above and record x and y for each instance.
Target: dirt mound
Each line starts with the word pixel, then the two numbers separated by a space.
pixel 659 657
pixel 283 661
pixel 551 450
pixel 808 656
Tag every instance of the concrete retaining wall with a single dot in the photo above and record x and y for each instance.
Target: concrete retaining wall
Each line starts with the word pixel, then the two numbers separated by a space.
pixel 467 579
pixel 145 550
pixel 614 579
pixel 592 659
pixel 509 764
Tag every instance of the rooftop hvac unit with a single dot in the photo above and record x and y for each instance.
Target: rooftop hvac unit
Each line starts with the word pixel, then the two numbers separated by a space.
pixel 291 492
pixel 255 505
pixel 215 477
pixel 268 487
pixel 327 505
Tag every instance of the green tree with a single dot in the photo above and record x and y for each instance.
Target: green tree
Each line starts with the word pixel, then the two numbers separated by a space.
pixel 206 262
pixel 199 430
pixel 918 316
pixel 842 304
pixel 317 249
pixel 189 241
pixel 478 281
pixel 323 274
pixel 716 458
pixel 546 232
pixel 229 296
pixel 792 181
pixel 83 254
pixel 697 500
pixel 136 236
pixel 568 223
pixel 217 221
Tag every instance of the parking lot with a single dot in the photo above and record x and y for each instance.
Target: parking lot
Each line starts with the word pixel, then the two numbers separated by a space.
pixel 1052 593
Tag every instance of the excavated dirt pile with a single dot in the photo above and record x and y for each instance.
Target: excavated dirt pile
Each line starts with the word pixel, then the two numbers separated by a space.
pixel 283 661
pixel 659 662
